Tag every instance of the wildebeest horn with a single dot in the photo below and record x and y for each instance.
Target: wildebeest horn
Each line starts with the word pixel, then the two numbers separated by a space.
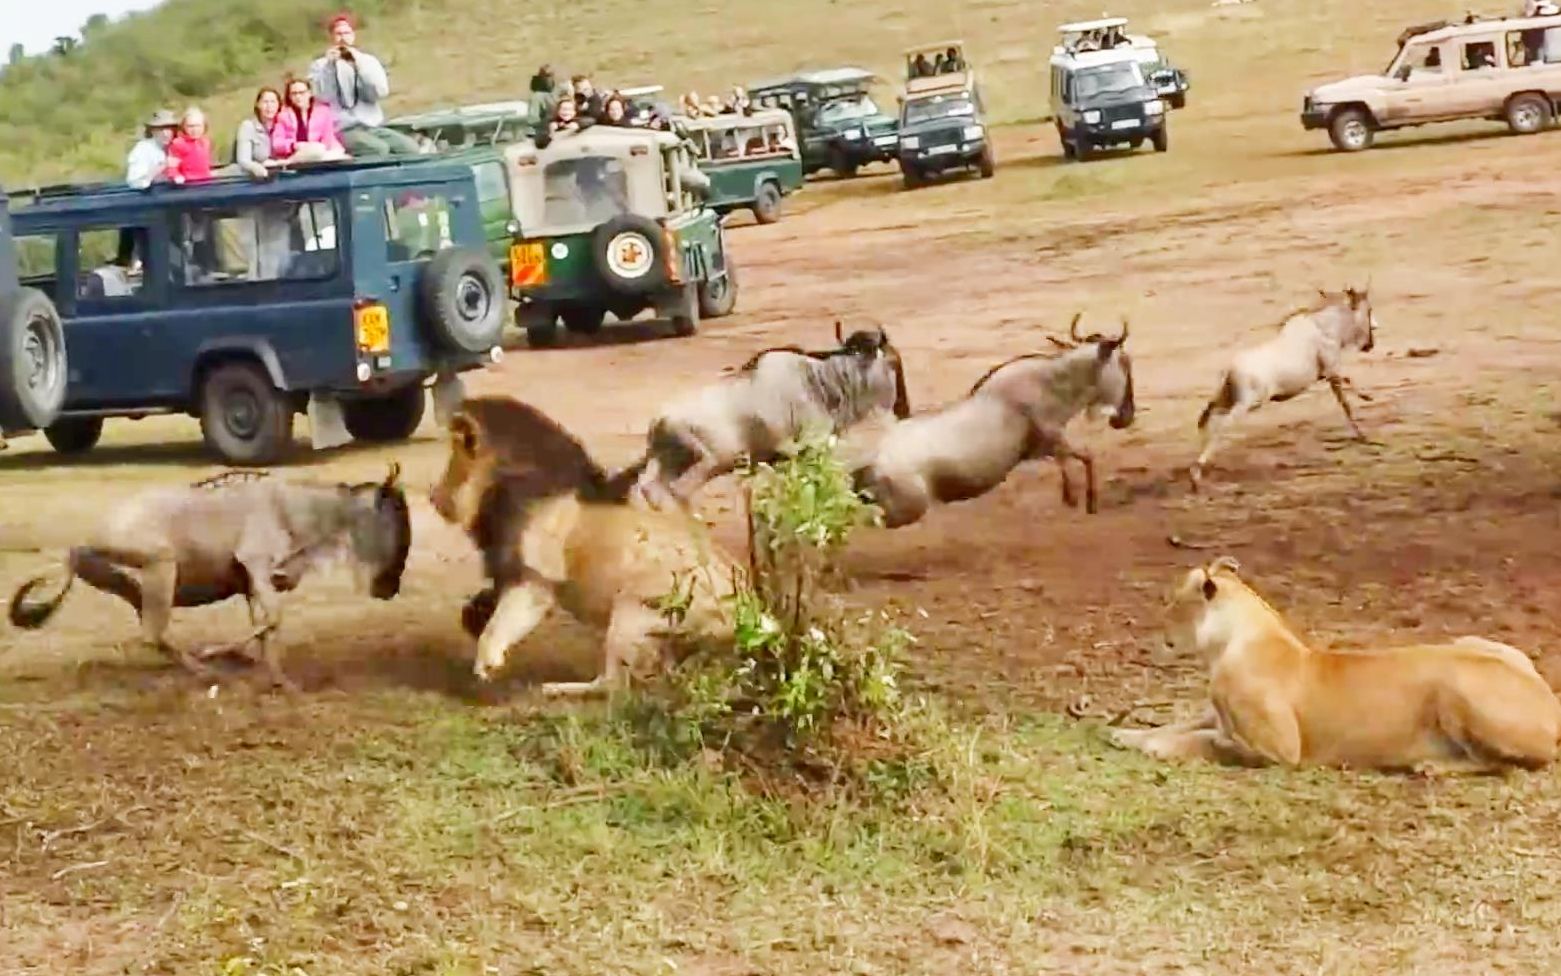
pixel 394 475
pixel 1073 330
pixel 838 337
pixel 1123 337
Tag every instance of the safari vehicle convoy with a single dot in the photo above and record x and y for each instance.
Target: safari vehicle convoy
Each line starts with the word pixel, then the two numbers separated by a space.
pixel 1505 69
pixel 614 220
pixel 753 161
pixel 942 120
pixel 1100 96
pixel 243 303
pixel 840 126
pixel 33 357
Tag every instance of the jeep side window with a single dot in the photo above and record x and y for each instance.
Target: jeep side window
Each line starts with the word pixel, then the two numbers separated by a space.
pixel 109 261
pixel 1479 54
pixel 278 239
pixel 1426 60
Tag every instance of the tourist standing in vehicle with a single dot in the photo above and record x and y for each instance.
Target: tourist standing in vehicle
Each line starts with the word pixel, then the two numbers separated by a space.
pixel 587 99
pixel 354 83
pixel 305 129
pixel 148 159
pixel 544 96
pixel 252 148
pixel 567 117
pixel 189 154
pixel 615 111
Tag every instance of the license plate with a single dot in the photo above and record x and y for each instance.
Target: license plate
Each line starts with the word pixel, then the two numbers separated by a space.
pixel 940 150
pixel 528 265
pixel 1125 124
pixel 886 140
pixel 374 328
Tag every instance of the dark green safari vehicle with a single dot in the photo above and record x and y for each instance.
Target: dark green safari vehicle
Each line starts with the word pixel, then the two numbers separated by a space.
pixel 613 219
pixel 487 124
pixel 752 160
pixel 840 126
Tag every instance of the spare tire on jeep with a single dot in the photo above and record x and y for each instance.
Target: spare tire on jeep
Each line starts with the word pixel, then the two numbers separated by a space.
pixel 630 253
pixel 32 360
pixel 462 294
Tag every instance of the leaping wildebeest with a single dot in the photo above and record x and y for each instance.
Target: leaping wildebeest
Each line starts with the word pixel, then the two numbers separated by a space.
pixel 769 401
pixel 1310 346
pixel 1017 412
pixel 239 534
pixel 555 529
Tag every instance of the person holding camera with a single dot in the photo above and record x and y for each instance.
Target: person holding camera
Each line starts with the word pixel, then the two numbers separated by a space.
pixel 353 83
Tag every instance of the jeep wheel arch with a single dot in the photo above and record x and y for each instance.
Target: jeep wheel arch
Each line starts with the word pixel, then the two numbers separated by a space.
pixel 210 355
pixel 630 254
pixel 462 295
pixel 34 370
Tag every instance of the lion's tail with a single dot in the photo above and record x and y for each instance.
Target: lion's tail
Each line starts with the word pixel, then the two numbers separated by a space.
pixel 32 614
pixel 1223 400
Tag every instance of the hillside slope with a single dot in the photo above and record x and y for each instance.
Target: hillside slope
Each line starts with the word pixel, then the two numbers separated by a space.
pixel 76 116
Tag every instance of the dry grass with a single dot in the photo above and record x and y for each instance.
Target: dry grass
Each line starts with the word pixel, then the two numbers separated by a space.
pixel 387 822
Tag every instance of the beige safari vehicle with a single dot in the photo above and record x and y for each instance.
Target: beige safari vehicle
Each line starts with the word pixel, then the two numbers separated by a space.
pixel 1504 69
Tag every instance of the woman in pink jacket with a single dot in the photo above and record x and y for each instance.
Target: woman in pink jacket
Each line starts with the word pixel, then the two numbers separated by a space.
pixel 305 122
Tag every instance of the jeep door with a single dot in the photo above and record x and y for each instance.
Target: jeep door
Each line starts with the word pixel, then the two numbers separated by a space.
pixel 124 349
pixel 1418 91
pixel 1481 81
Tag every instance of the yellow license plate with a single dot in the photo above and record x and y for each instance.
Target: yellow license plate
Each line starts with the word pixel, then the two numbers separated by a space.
pixel 528 265
pixel 373 323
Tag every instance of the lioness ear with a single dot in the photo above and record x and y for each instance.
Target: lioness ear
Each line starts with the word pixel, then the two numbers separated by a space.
pixel 463 435
pixel 839 339
pixel 1226 564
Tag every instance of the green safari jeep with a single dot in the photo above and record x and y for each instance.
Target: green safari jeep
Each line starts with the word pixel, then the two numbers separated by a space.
pixel 752 160
pixel 486 124
pixel 613 219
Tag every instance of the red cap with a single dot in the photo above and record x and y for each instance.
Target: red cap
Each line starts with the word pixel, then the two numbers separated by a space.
pixel 343 16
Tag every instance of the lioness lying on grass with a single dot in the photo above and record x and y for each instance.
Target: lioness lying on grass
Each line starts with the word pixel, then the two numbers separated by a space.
pixel 554 528
pixel 1472 705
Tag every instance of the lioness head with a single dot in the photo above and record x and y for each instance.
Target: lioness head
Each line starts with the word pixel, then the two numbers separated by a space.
pixel 1191 602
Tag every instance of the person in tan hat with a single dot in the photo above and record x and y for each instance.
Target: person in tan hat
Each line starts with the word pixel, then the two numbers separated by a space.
pixel 148 159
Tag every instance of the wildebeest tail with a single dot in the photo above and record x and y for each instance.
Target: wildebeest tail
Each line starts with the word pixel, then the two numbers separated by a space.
pixel 1223 400
pixel 32 614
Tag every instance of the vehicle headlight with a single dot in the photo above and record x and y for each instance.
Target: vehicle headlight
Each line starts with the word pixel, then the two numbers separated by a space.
pixel 910 142
pixel 1154 107
pixel 974 132
pixel 851 134
pixel 1092 116
pixel 512 228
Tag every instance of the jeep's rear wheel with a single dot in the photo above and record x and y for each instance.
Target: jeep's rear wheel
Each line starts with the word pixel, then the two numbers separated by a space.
pixel 33 372
pixel 388 418
pixel 1351 130
pixel 74 435
pixel 685 321
pixel 630 253
pixel 1527 114
pixel 462 294
pixel 244 419
pixel 718 296
pixel 767 205
pixel 586 321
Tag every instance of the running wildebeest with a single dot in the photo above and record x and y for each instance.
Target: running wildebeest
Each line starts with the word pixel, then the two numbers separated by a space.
pixel 770 400
pixel 1017 412
pixel 555 529
pixel 239 534
pixel 1310 346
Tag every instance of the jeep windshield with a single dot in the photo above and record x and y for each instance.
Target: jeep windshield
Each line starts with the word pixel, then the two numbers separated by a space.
pixel 1110 79
pixel 587 190
pixel 851 108
pixel 940 107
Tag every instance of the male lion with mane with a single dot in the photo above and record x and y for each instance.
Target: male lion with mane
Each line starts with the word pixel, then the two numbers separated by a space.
pixel 1472 705
pixel 554 528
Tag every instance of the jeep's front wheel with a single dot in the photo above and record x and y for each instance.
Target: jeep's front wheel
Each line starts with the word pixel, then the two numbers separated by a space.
pixel 388 418
pixel 988 164
pixel 912 176
pixel 718 296
pixel 1527 114
pixel 1351 130
pixel 1161 138
pixel 767 204
pixel 244 419
pixel 74 435
pixel 841 164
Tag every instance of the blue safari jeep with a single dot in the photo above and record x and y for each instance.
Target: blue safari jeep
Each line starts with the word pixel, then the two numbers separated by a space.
pixel 338 290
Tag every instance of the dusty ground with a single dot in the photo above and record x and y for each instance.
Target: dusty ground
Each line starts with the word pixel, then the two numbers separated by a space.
pixel 1445 526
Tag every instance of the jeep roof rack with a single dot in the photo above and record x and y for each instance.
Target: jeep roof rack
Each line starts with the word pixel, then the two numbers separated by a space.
pixel 819 78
